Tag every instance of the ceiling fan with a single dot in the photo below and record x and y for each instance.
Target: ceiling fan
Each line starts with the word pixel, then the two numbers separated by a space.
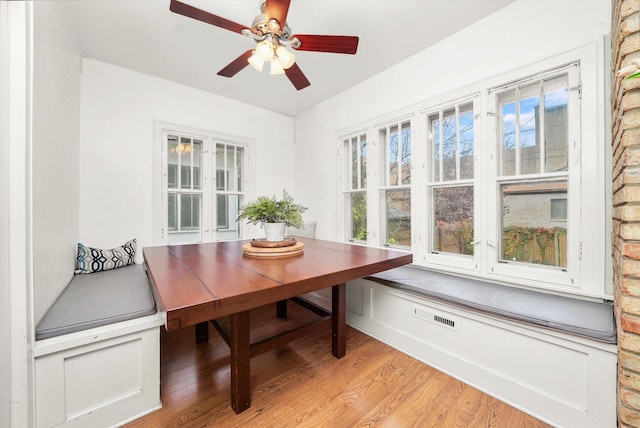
pixel 272 35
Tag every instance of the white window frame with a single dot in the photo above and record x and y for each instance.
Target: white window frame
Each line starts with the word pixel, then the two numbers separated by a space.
pixel 427 256
pixel 209 232
pixel 587 274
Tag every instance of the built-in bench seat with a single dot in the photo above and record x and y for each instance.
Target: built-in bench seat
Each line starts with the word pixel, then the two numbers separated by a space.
pixel 97 353
pixel 551 356
pixel 589 319
pixel 96 299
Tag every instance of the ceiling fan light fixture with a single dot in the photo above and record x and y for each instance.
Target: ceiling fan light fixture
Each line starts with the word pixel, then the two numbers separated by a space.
pixel 265 50
pixel 276 67
pixel 256 62
pixel 287 59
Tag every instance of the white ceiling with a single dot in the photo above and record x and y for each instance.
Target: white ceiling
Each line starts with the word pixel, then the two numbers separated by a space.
pixel 143 35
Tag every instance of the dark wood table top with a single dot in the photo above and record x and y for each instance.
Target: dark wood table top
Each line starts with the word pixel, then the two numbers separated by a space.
pixel 198 282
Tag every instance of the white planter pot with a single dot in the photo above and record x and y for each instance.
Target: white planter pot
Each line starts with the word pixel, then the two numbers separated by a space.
pixel 274 231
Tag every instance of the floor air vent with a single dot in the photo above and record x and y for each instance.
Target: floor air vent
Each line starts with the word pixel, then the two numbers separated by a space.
pixel 433 318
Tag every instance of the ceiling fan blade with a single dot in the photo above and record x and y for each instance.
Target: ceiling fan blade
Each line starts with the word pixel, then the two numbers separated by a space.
pixel 297 77
pixel 236 65
pixel 204 16
pixel 333 44
pixel 278 10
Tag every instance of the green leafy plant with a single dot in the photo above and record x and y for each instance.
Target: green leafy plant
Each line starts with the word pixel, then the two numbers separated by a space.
pixel 271 210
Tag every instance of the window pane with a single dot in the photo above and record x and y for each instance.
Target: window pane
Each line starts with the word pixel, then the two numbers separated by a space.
pixel 227 211
pixel 221 182
pixel 528 234
pixel 239 169
pixel 453 215
pixel 435 135
pixel 189 212
pixel 398 217
pixel 405 160
pixel 392 155
pixel 359 216
pixel 197 164
pixel 172 161
pixel 449 150
pixel 184 150
pixel 556 135
pixel 509 137
pixel 172 212
pixel 354 163
pixel 529 122
pixel 363 162
pixel 466 142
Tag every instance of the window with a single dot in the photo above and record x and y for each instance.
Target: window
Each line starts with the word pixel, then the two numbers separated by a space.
pixel 534 130
pixel 184 188
pixel 355 194
pixel 451 179
pixel 504 180
pixel 396 139
pixel 229 187
pixel 202 181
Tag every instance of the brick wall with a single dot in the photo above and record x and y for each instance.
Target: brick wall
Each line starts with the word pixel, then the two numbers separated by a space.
pixel 625 132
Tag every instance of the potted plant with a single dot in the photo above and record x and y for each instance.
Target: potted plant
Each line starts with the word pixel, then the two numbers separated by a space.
pixel 274 215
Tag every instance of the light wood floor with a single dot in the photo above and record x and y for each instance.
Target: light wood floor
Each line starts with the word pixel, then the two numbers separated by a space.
pixel 303 385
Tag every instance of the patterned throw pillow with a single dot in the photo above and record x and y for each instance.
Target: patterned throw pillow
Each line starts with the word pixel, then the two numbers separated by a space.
pixel 91 260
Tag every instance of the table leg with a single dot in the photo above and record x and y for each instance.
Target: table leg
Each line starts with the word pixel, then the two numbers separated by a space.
pixel 240 362
pixel 202 332
pixel 338 320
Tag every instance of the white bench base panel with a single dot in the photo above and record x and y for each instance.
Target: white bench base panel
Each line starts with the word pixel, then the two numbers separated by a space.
pixel 100 377
pixel 562 379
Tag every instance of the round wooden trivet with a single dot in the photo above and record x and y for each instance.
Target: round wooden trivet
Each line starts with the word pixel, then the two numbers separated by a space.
pixel 263 243
pixel 274 252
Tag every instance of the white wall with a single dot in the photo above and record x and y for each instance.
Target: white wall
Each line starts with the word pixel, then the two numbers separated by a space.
pixel 119 107
pixel 519 34
pixel 56 125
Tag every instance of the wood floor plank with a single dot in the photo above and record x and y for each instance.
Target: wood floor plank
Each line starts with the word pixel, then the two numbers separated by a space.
pixel 303 385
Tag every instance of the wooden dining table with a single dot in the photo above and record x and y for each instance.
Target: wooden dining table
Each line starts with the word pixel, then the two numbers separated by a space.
pixel 196 284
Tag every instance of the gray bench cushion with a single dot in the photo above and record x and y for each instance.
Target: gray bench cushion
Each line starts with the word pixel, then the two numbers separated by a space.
pixel 97 299
pixel 584 318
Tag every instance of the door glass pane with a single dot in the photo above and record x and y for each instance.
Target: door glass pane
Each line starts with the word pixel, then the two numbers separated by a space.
pixel 398 217
pixel 529 233
pixel 453 220
pixel 358 216
pixel 556 125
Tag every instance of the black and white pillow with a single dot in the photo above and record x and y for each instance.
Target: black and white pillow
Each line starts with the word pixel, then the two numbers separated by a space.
pixel 91 260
